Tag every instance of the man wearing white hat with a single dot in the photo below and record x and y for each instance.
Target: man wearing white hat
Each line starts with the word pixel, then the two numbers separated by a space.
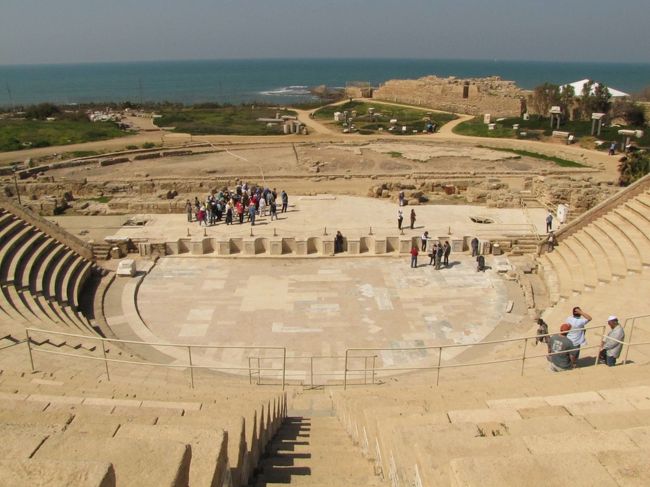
pixel 611 346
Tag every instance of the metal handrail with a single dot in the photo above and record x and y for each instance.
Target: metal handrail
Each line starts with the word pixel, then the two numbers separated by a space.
pixel 188 347
pixel 522 358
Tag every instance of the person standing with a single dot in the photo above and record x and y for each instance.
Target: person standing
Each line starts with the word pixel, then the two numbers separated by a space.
pixel 440 252
pixel 412 218
pixel 432 255
pixel 188 210
pixel 550 242
pixel 338 242
pixel 228 214
pixel 425 237
pixel 285 201
pixel 400 219
pixel 251 213
pixel 447 252
pixel 559 348
pixel 549 222
pixel 414 256
pixel 240 212
pixel 578 320
pixel 274 210
pixel 401 198
pixel 610 347
pixel 474 245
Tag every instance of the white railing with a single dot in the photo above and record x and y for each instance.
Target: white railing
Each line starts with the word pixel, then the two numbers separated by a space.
pixel 438 366
pixel 363 368
pixel 183 346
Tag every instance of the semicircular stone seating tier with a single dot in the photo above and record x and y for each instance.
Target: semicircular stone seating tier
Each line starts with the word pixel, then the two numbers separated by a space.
pixel 613 245
pixel 41 279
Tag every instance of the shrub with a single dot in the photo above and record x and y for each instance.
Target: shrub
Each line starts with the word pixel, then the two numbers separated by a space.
pixel 148 145
pixel 632 167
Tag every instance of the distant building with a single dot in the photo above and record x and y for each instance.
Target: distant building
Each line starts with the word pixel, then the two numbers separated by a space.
pixel 578 86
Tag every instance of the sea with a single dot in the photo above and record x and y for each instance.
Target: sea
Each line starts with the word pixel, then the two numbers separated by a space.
pixel 280 81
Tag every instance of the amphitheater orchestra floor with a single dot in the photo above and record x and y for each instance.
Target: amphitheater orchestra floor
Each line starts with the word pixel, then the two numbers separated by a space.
pixel 320 307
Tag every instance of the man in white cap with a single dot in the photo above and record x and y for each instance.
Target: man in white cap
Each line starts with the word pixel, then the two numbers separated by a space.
pixel 611 346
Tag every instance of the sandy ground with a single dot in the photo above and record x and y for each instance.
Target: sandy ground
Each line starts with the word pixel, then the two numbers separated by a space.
pixel 322 133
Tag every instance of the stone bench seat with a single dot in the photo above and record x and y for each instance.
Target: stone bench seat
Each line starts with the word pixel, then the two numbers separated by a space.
pixel 132 459
pixel 614 255
pixel 51 473
pixel 620 238
pixel 638 234
pixel 585 262
pixel 595 250
pixel 16 269
pixel 11 250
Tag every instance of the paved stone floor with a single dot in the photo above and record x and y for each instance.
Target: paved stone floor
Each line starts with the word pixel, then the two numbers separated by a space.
pixel 320 307
pixel 309 215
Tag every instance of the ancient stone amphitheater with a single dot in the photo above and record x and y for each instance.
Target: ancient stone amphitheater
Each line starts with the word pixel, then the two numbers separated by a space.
pixel 78 406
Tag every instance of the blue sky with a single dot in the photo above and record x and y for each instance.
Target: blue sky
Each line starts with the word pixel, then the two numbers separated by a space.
pixel 68 31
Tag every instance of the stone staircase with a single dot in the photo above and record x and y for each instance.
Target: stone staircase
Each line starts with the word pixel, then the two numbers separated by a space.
pixel 144 428
pixel 313 451
pixel 507 432
pixel 612 247
pixel 311 448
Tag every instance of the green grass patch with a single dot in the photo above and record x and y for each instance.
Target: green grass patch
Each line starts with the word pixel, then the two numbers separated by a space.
pixel 101 199
pixel 26 134
pixel 395 154
pixel 535 155
pixel 148 145
pixel 537 127
pixel 365 123
pixel 227 120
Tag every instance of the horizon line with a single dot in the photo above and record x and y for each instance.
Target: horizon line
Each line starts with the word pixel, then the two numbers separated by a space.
pixel 390 58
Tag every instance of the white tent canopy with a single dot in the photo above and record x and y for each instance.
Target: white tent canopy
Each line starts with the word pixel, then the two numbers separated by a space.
pixel 579 85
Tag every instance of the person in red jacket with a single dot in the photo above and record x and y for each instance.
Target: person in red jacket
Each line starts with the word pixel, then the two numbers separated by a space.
pixel 414 256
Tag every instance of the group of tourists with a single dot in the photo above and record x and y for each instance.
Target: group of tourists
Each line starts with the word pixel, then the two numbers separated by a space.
pixel 244 203
pixel 400 218
pixel 564 347
pixel 438 252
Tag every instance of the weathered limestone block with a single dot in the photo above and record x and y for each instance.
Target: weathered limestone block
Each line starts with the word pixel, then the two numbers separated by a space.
pixel 276 246
pixel 301 247
pixel 249 247
pixel 380 246
pixel 222 246
pixel 457 244
pixel 197 246
pixel 328 246
pixel 354 246
pixel 405 244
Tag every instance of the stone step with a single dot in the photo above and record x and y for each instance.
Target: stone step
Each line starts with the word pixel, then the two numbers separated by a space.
pixel 602 264
pixel 494 471
pixel 209 463
pixel 620 239
pixel 51 473
pixel 585 261
pixel 132 458
pixel 615 258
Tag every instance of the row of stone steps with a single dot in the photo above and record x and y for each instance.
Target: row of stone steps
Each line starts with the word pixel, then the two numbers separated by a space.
pixel 611 247
pixel 424 436
pixel 118 441
pixel 41 279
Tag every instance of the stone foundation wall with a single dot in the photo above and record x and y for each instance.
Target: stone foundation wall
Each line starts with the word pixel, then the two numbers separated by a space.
pixel 471 96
